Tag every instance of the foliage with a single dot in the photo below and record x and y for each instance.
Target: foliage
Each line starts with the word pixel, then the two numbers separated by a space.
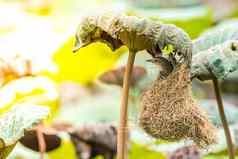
pixel 30 90
pixel 137 34
pixel 15 122
pixel 216 36
pixel 100 103
pixel 87 64
pixel 216 51
pixel 219 61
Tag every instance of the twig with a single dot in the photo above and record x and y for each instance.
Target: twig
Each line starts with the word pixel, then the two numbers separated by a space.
pixel 123 130
pixel 41 142
pixel 230 146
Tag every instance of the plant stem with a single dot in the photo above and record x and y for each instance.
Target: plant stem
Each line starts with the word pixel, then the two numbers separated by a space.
pixel 41 142
pixel 231 149
pixel 123 129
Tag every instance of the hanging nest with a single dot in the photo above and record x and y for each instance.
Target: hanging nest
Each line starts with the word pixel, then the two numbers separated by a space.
pixel 169 112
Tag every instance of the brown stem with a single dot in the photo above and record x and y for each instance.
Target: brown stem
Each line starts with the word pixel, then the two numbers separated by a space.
pixel 41 142
pixel 123 130
pixel 231 149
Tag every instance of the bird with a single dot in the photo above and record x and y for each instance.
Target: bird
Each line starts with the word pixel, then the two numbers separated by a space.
pixel 164 66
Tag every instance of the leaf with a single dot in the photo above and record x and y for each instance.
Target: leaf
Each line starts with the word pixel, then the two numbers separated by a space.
pixel 219 60
pixel 87 64
pixel 31 90
pixel 117 30
pixel 14 123
pixel 223 32
pixel 213 47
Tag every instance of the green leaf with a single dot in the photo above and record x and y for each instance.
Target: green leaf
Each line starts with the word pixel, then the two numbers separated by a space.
pixel 219 61
pixel 117 30
pixel 223 32
pixel 14 123
pixel 216 49
pixel 97 58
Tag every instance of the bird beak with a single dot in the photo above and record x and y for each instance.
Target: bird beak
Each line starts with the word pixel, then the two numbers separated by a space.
pixel 159 60
pixel 78 45
pixel 151 60
pixel 75 49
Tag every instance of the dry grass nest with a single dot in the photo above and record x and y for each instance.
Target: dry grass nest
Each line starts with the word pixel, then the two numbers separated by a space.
pixel 169 112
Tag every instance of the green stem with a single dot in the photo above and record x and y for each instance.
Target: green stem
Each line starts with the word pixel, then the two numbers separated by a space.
pixel 123 129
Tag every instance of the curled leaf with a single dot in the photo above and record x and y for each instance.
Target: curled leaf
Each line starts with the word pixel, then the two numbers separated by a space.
pixel 116 76
pixel 137 34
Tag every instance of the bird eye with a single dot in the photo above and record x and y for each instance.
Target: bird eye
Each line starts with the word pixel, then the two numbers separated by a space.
pixel 179 53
